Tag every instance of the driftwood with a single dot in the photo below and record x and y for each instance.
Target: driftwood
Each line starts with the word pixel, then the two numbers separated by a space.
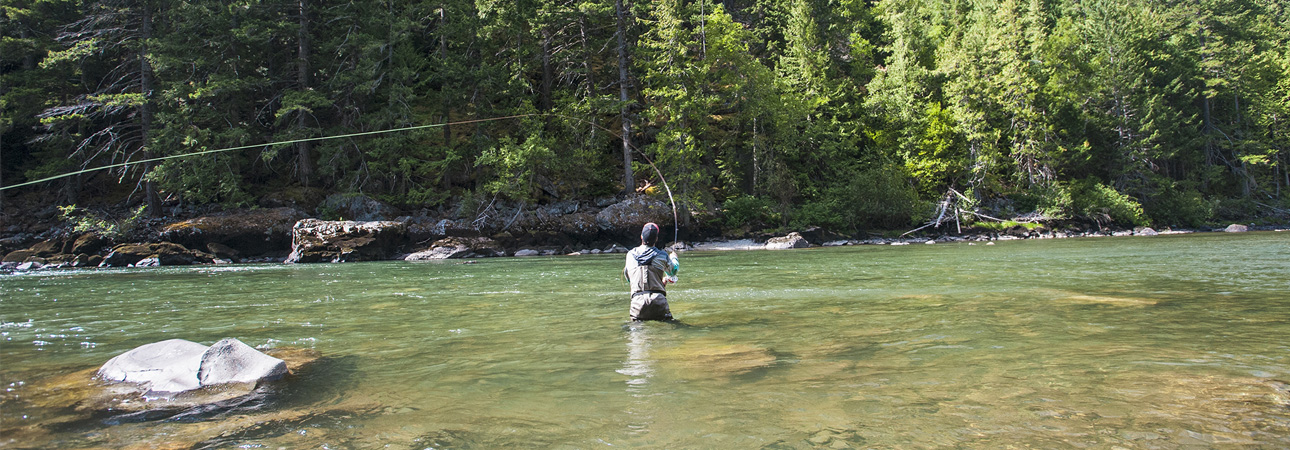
pixel 1273 208
pixel 950 205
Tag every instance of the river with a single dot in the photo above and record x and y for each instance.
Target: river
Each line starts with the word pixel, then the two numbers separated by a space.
pixel 1138 342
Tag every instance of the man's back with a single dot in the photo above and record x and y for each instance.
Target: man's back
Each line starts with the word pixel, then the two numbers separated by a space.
pixel 645 267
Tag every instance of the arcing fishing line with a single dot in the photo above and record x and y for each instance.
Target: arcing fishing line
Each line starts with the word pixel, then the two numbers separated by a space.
pixel 244 147
pixel 675 221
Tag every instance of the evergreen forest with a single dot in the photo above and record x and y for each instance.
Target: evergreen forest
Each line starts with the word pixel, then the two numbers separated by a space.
pixel 844 114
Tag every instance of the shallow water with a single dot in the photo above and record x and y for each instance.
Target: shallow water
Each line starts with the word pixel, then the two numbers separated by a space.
pixel 1160 342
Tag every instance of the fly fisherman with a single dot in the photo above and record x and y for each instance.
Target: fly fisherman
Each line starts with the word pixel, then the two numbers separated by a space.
pixel 648 271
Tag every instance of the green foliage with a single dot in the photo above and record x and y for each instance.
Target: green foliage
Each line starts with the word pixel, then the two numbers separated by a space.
pixel 1097 201
pixel 749 211
pixel 1004 225
pixel 1052 201
pixel 937 158
pixel 83 221
pixel 1180 206
pixel 873 198
pixel 846 113
pixel 1234 209
pixel 517 165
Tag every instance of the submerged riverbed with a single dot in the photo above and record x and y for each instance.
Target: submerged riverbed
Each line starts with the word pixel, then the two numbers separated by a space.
pixel 1157 342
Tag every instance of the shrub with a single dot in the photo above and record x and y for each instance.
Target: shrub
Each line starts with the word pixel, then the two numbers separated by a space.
pixel 1235 209
pixel 83 221
pixel 1097 201
pixel 749 210
pixel 874 198
pixel 1053 201
pixel 1186 207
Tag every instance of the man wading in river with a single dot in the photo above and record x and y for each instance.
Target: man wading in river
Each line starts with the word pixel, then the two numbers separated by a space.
pixel 648 271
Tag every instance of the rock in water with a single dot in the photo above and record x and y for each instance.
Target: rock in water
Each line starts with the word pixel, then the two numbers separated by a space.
pixel 1236 228
pixel 706 358
pixel 231 361
pixel 160 367
pixel 179 365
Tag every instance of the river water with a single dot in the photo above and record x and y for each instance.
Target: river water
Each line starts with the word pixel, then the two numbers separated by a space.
pixel 1146 342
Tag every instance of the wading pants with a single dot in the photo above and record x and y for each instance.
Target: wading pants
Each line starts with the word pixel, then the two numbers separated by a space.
pixel 650 306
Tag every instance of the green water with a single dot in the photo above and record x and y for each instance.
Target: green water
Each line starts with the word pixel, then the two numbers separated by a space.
pixel 1161 342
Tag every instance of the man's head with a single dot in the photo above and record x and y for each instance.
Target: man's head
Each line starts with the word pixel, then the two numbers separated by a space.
pixel 649 234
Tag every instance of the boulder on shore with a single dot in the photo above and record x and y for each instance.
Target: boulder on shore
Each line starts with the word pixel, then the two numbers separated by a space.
pixel 156 254
pixel 793 240
pixel 456 248
pixel 19 256
pixel 1236 228
pixel 316 240
pixel 625 218
pixel 65 249
pixel 250 232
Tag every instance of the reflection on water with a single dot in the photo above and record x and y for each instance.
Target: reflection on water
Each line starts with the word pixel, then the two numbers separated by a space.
pixel 1169 342
pixel 638 367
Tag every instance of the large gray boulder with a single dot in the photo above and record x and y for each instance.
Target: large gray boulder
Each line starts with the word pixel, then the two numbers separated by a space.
pixel 316 240
pixel 178 365
pixel 162 367
pixel 1236 228
pixel 231 361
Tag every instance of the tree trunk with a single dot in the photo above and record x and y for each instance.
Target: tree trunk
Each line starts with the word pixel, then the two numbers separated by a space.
pixel 145 111
pixel 591 79
pixel 703 30
pixel 1285 174
pixel 1276 176
pixel 756 162
pixel 304 163
pixel 586 56
pixel 444 106
pixel 28 60
pixel 629 180
pixel 1248 184
pixel 546 69
pixel 1207 128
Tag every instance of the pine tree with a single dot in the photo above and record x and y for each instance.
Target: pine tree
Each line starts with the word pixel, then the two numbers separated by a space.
pixel 114 114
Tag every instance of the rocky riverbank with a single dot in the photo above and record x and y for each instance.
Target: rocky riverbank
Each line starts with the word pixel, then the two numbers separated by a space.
pixel 291 234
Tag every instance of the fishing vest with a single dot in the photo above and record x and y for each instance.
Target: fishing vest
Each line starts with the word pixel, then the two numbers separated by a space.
pixel 647 277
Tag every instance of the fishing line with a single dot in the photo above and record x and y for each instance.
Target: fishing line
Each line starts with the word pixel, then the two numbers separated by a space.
pixel 244 147
pixel 676 224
